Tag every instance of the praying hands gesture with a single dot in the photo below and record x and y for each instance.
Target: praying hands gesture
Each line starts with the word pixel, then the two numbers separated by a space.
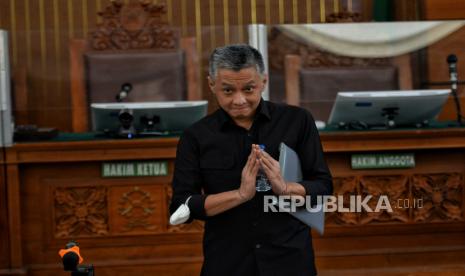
pixel 272 170
pixel 249 175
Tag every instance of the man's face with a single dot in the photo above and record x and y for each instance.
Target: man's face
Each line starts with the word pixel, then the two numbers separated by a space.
pixel 238 92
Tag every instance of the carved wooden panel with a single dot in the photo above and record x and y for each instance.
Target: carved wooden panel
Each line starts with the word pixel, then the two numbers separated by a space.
pixel 136 25
pixel 346 187
pixel 194 226
pixel 136 209
pixel 394 187
pixel 415 198
pixel 80 211
pixel 442 197
pixel 344 17
pixel 280 45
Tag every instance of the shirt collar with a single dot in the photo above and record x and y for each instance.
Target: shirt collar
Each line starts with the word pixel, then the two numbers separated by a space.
pixel 262 111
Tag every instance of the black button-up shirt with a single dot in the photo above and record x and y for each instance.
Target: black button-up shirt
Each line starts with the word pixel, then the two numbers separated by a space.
pixel 245 240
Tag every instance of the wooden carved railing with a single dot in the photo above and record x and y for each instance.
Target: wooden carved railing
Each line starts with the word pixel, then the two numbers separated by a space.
pixel 137 25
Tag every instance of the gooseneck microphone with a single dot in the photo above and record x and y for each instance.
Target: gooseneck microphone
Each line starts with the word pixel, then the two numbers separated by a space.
pixel 452 61
pixel 124 92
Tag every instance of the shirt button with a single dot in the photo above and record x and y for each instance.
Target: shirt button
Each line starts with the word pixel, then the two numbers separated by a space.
pixel 258 246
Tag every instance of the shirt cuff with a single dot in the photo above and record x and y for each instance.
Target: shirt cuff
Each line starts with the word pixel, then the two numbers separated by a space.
pixel 197 207
pixel 314 189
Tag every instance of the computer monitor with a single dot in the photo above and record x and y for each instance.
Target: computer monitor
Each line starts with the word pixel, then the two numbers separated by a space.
pixel 388 108
pixel 148 117
pixel 6 119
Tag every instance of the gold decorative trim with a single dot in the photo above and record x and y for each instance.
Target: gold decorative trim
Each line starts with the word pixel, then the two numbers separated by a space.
pixel 253 11
pixel 240 20
pixel 70 19
pixel 212 24
pixel 85 19
pixel 56 37
pixel 267 12
pixel 281 11
pixel 226 21
pixel 198 31
pixel 13 31
pixel 198 26
pixel 28 33
pixel 56 27
pixel 184 17
pixel 169 6
pixel 336 6
pixel 309 11
pixel 322 11
pixel 43 43
pixel 98 7
pixel 295 12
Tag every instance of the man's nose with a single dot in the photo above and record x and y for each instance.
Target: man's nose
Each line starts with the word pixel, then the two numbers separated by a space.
pixel 238 99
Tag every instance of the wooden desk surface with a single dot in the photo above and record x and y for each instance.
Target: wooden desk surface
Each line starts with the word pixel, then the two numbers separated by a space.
pixel 337 141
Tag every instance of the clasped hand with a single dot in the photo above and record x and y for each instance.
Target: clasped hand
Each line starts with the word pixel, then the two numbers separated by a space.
pixel 261 159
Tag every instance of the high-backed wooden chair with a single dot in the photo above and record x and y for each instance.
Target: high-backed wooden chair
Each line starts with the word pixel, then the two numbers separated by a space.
pixel 316 87
pixel 135 45
pixel 312 76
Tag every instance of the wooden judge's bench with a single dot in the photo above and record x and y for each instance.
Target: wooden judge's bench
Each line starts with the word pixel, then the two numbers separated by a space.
pixel 112 196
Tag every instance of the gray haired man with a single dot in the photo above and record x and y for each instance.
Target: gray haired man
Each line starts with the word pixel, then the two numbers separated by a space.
pixel 217 163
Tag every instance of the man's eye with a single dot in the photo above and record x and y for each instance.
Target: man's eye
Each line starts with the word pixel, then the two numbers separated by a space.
pixel 249 89
pixel 227 90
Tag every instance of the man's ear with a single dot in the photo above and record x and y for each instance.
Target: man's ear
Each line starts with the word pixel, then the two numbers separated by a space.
pixel 264 80
pixel 211 84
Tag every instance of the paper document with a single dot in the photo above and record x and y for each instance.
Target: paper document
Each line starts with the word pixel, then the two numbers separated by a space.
pixel 292 172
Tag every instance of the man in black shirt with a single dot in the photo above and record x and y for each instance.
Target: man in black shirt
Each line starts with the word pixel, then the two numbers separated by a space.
pixel 217 163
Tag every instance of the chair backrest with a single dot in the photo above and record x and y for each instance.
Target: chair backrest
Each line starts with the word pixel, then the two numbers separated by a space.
pixel 312 77
pixel 134 45
pixel 316 87
pixel 319 86
pixel 154 76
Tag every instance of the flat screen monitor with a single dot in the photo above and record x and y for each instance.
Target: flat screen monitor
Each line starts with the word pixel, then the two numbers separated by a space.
pixel 6 120
pixel 168 116
pixel 372 108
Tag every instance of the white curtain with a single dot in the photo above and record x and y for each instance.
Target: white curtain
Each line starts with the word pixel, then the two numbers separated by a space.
pixel 368 40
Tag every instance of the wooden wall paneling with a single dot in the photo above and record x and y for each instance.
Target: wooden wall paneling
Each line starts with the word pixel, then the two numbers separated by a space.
pixel 407 10
pixel 438 70
pixel 292 66
pixel 4 236
pixel 444 9
pixel 45 168
pixel 316 12
pixel 43 29
pixel 77 85
pixel 20 96
pixel 14 211
pixel 143 246
pixel 367 10
pixel 76 18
